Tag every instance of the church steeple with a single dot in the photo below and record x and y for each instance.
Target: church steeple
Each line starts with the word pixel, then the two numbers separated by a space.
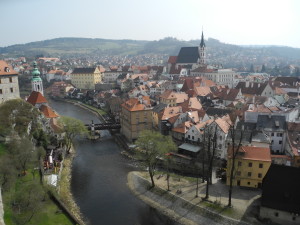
pixel 202 51
pixel 36 81
pixel 202 44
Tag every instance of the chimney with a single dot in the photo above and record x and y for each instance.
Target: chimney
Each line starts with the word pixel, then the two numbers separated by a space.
pixel 247 84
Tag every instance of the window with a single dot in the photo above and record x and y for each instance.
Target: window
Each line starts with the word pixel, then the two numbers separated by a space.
pixel 238 173
pixel 249 174
pixel 276 214
pixel 280 142
pixel 10 80
pixel 259 175
pixel 248 183
pixel 189 136
pixel 11 90
pixel 239 163
pixel 220 138
pixel 0 91
pixel 250 164
pixel 261 165
pixel 0 81
pixel 272 134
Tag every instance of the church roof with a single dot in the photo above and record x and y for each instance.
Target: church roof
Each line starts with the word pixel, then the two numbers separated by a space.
pixel 36 98
pixel 188 55
pixel 202 44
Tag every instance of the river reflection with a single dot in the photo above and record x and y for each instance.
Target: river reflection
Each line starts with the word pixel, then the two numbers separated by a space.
pixel 99 177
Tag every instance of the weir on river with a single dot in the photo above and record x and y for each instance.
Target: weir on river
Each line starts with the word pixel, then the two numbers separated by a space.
pixel 99 179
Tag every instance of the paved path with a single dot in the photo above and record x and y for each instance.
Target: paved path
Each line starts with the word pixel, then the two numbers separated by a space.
pixel 176 207
pixel 1 210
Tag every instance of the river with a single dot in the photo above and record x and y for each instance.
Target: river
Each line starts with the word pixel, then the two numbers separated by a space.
pixel 99 177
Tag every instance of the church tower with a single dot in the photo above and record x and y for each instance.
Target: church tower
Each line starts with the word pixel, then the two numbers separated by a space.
pixel 36 81
pixel 202 51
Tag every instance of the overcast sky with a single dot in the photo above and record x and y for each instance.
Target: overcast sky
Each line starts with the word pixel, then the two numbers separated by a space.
pixel 247 22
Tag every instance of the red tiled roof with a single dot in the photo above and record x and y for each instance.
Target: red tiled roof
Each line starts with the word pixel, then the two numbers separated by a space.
pixel 36 98
pixel 172 59
pixel 253 153
pixel 48 112
pixel 6 69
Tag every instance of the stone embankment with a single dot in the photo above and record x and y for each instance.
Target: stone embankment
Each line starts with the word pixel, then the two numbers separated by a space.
pixel 174 206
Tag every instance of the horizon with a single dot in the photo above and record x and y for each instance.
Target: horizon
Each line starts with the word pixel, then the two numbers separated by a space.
pixel 232 22
pixel 241 45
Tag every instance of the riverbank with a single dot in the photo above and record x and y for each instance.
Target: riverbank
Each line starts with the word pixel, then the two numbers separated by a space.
pixel 185 207
pixel 1 209
pixel 64 187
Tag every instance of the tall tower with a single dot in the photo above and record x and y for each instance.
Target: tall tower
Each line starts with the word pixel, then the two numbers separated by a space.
pixel 202 51
pixel 36 81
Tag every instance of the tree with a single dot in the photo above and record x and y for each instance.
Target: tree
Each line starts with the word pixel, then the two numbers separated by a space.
pixel 152 147
pixel 22 151
pixel 210 146
pixel 232 154
pixel 72 128
pixel 8 173
pixel 18 117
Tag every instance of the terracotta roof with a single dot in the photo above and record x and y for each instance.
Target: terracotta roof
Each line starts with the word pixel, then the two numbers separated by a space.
pixel 191 103
pixel 251 88
pixel 134 104
pixel 183 127
pixel 36 98
pixel 48 112
pixel 202 91
pixel 253 153
pixel 224 123
pixel 6 69
pixel 172 59
pixel 169 112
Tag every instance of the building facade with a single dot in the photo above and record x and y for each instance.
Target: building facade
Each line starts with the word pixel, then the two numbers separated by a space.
pixel 136 116
pixel 9 83
pixel 251 166
pixel 86 78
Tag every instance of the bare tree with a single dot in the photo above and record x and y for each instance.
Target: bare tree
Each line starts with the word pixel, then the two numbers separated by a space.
pixel 232 154
pixel 210 145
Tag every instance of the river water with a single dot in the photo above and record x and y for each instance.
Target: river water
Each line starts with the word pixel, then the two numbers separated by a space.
pixel 99 177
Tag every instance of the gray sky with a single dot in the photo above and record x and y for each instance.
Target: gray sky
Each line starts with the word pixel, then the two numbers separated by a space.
pixel 249 22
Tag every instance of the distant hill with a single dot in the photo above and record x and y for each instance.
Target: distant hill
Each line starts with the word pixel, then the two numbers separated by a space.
pixel 218 52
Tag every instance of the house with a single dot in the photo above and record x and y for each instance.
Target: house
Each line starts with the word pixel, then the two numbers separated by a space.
pixel 250 89
pixel 251 165
pixel 292 145
pixel 9 83
pixel 172 98
pixel 274 127
pixel 280 199
pixel 136 116
pixel 86 78
pixel 60 89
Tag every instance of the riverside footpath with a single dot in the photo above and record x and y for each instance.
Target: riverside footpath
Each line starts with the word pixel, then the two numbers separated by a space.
pixel 181 205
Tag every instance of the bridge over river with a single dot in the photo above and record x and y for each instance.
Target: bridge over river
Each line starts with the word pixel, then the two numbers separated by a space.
pixel 99 178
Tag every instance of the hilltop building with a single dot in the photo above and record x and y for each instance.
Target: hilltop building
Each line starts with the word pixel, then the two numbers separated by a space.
pixel 9 83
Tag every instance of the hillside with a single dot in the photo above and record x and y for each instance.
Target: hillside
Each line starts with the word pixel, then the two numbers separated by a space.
pixel 218 52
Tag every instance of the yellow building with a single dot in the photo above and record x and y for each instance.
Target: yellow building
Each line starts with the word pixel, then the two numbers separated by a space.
pixel 251 165
pixel 86 78
pixel 136 116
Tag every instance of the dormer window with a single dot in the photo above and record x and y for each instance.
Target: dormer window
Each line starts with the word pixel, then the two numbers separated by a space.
pixel 6 69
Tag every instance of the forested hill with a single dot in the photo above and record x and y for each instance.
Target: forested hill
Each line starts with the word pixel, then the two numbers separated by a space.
pixel 61 47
